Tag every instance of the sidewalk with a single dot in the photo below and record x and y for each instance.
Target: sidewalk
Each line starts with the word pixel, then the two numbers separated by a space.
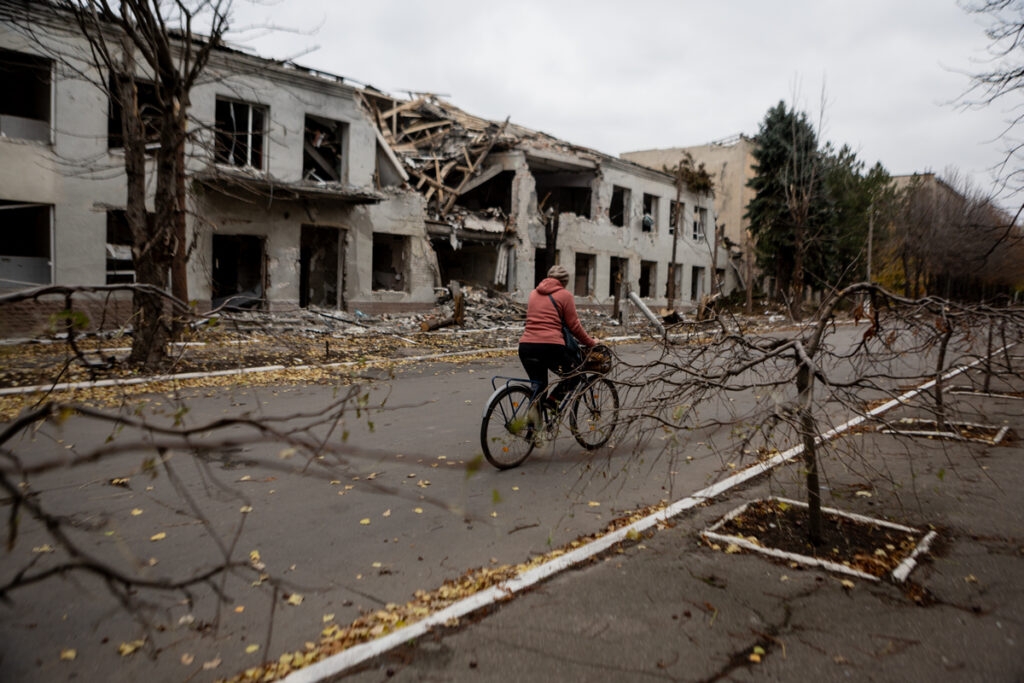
pixel 669 607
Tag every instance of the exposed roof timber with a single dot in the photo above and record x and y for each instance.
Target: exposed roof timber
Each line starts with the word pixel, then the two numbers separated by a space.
pixel 485 175
pixel 390 154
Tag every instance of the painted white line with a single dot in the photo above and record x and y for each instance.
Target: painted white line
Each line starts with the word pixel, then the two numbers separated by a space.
pixel 901 572
pixel 353 656
pixel 805 560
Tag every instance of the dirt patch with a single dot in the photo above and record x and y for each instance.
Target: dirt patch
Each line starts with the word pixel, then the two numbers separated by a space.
pixel 861 545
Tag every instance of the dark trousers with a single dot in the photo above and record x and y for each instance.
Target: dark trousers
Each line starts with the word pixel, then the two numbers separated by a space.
pixel 537 359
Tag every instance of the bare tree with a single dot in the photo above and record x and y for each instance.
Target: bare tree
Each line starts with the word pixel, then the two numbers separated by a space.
pixel 117 46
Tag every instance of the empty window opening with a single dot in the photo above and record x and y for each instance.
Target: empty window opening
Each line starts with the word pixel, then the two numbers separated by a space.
pixel 564 192
pixel 149 112
pixel 675 215
pixel 697 283
pixel 239 134
pixel 238 271
pixel 540 264
pixel 650 222
pixel 475 263
pixel 25 105
pixel 323 147
pixel 700 219
pixel 586 265
pixel 120 263
pixel 319 266
pixel 24 244
pixel 390 262
pixel 494 193
pixel 648 276
pixel 618 212
pixel 618 272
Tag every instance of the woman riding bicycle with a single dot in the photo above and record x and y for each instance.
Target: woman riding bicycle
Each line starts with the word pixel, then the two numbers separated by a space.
pixel 542 346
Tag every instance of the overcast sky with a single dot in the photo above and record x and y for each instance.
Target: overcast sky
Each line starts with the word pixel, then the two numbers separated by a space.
pixel 627 75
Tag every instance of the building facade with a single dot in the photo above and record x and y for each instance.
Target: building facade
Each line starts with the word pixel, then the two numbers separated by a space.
pixel 300 196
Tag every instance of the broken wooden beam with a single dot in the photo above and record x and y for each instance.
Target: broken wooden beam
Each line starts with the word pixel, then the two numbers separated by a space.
pixel 466 177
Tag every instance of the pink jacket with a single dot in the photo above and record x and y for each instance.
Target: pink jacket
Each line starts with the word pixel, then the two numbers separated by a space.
pixel 543 323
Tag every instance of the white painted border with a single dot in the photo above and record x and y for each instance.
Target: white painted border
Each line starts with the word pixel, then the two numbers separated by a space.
pixel 952 436
pixel 358 654
pixel 899 574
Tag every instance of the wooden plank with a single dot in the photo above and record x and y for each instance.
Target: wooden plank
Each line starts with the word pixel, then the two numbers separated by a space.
pixel 483 155
pixel 320 161
pixel 403 107
pixel 479 180
pixel 423 126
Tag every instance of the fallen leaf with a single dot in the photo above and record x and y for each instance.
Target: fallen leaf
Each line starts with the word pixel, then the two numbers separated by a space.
pixel 411 475
pixel 847 584
pixel 245 508
pixel 732 549
pixel 256 561
pixel 187 659
pixel 371 476
pixel 126 649
pixel 158 537
pixel 44 548
pixel 386 513
pixel 251 648
pixel 971 578
pixel 328 617
pixel 212 664
pixel 418 511
pixel 863 494
pixel 365 521
pixel 136 512
pixel 294 599
pixel 68 654
pixel 494 514
pixel 286 453
pixel 240 609
pixel 335 482
pixel 755 658
pixel 377 565
pixel 515 488
pixel 245 478
pixel 593 504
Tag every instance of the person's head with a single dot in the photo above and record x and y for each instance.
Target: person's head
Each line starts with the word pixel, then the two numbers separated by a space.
pixel 560 273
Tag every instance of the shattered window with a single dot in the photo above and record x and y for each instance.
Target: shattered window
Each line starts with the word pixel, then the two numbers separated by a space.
pixel 120 266
pixel 24 243
pixel 583 284
pixel 239 133
pixel 149 110
pixel 619 209
pixel 648 275
pixel 675 215
pixel 323 146
pixel 25 106
pixel 390 262
pixel 650 221
pixel 700 217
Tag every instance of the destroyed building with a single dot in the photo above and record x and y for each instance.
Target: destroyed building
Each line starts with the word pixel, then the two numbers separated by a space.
pixel 308 190
pixel 497 192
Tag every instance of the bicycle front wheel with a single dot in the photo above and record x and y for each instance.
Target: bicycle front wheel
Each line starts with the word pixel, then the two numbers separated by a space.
pixel 506 435
pixel 595 413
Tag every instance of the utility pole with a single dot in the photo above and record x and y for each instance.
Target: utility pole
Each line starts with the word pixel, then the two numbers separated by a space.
pixel 677 212
pixel 871 232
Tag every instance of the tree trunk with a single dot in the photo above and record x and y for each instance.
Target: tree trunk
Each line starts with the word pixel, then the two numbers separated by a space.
pixel 796 305
pixel 179 270
pixel 805 385
pixel 940 366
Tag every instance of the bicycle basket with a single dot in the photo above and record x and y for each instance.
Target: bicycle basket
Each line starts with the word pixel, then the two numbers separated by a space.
pixel 598 359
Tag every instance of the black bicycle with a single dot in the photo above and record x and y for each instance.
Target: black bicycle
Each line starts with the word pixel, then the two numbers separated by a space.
pixel 516 418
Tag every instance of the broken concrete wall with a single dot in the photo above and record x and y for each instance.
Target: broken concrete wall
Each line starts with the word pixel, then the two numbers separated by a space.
pixel 593 243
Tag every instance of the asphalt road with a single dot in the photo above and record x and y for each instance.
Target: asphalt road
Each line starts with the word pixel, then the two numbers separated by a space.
pixel 410 504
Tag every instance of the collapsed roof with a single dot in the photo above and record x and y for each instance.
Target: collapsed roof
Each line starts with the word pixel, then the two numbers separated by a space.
pixel 444 149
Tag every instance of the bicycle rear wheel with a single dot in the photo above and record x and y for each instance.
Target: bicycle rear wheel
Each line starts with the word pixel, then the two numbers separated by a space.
pixel 595 412
pixel 505 433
